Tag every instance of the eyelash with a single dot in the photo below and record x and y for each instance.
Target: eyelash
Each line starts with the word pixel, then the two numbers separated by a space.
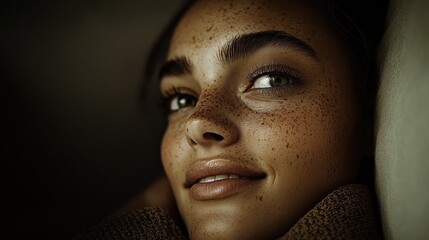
pixel 274 70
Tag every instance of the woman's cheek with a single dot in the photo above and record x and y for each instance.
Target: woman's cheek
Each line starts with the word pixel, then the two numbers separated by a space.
pixel 291 134
pixel 280 129
pixel 172 152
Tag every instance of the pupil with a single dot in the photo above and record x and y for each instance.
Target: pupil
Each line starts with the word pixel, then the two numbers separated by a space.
pixel 278 80
pixel 185 101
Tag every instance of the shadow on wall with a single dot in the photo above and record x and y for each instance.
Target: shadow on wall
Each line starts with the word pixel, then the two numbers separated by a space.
pixel 77 141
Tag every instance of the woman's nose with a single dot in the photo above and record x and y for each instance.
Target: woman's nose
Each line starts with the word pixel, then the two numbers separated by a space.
pixel 209 125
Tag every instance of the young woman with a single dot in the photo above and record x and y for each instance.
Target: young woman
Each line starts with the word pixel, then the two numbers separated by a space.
pixel 269 107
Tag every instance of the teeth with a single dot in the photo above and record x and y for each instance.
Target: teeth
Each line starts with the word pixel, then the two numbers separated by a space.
pixel 218 178
pixel 208 179
pixel 221 177
pixel 234 176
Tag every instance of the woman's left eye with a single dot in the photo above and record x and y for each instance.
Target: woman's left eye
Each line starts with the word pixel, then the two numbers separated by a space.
pixel 272 80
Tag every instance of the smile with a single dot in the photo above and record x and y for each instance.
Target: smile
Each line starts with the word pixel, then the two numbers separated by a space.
pixel 220 178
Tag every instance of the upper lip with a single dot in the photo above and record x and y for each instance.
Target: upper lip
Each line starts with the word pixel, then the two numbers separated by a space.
pixel 204 168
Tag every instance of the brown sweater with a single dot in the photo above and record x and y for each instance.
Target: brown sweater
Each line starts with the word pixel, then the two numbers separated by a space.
pixel 346 213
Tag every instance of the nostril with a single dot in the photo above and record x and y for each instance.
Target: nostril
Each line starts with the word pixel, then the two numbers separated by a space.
pixel 212 136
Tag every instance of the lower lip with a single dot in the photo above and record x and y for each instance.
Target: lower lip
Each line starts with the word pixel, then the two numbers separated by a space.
pixel 219 189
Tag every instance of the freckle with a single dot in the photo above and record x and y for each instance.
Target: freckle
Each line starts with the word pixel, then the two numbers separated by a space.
pixel 209 29
pixel 260 198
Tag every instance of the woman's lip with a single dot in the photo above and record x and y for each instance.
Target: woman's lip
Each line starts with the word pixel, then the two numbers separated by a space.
pixel 220 188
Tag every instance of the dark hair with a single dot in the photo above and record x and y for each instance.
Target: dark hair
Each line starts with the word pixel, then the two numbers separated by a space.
pixel 364 24
pixel 158 53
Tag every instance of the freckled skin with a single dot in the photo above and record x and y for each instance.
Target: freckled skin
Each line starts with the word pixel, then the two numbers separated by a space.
pixel 308 139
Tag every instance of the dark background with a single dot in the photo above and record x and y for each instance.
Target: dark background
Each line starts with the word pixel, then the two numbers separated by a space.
pixel 77 140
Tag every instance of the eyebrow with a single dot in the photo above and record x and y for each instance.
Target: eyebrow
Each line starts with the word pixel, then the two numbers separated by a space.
pixel 176 67
pixel 240 47
pixel 246 44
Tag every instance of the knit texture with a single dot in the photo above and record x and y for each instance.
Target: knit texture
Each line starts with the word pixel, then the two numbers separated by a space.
pixel 148 223
pixel 346 213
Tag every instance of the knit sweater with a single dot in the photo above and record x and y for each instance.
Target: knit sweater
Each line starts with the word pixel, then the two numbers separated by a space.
pixel 346 213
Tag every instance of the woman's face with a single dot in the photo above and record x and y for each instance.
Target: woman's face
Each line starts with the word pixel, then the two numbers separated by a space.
pixel 265 116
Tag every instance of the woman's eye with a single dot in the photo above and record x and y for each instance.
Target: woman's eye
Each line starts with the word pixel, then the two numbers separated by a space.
pixel 182 101
pixel 273 80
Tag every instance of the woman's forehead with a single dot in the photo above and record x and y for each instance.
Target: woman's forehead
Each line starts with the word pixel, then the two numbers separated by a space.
pixel 209 23
pixel 236 13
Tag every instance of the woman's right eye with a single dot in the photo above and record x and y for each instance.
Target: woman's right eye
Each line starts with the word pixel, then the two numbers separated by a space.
pixel 180 101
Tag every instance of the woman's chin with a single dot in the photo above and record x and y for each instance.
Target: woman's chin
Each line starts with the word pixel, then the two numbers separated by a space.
pixel 233 219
